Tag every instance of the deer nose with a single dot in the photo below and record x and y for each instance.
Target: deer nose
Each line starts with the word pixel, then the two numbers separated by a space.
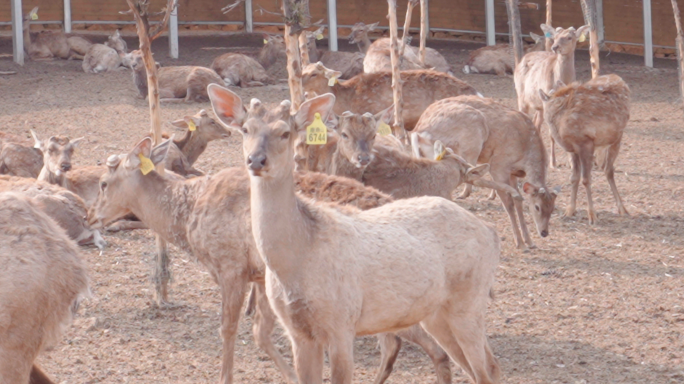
pixel 554 48
pixel 256 162
pixel 544 233
pixel 364 159
pixel 65 167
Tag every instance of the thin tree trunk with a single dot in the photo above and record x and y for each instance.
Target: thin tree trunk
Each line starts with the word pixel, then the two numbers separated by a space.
pixel 407 26
pixel 399 131
pixel 589 10
pixel 423 29
pixel 549 22
pixel 304 49
pixel 514 25
pixel 296 13
pixel 680 46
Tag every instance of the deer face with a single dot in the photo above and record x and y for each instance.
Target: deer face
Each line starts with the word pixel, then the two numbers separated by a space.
pixel 357 135
pixel 57 152
pixel 205 126
pixel 117 43
pixel 541 203
pixel 564 40
pixel 359 32
pixel 316 78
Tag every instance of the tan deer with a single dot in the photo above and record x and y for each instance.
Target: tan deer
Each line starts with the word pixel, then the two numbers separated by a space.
pixel 349 64
pixel 372 92
pixel 241 70
pixel 498 59
pixel 184 83
pixel 18 157
pixel 364 272
pixel 47 45
pixel 541 70
pixel 484 131
pixel 42 281
pixel 105 57
pixel 586 117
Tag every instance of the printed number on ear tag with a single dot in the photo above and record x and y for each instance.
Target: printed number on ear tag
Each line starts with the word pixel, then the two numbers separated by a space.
pixel 582 38
pixel 319 36
pixel 384 129
pixel 34 16
pixel 191 126
pixel 332 81
pixel 317 132
pixel 146 165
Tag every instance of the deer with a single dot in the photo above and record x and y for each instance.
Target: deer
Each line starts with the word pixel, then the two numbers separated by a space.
pixel 18 157
pixel 498 59
pixel 42 282
pixel 542 70
pixel 377 57
pixel 483 131
pixel 349 64
pixel 182 211
pixel 372 92
pixel 176 84
pixel 48 45
pixel 105 57
pixel 241 70
pixel 362 272
pixel 586 117
pixel 64 207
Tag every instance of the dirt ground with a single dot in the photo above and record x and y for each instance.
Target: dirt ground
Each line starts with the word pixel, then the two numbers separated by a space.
pixel 592 304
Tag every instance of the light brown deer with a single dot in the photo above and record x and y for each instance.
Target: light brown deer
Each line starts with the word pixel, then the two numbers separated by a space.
pixel 105 57
pixel 20 160
pixel 541 70
pixel 484 131
pixel 64 207
pixel 372 92
pixel 349 64
pixel 47 45
pixel 583 118
pixel 184 83
pixel 498 59
pixel 42 281
pixel 364 272
pixel 241 70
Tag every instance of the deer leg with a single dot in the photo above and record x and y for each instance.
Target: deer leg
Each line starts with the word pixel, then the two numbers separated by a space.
pixel 232 297
pixel 574 181
pixel 467 189
pixel 308 357
pixel 162 275
pixel 509 205
pixel 609 170
pixel 586 155
pixel 492 195
pixel 126 225
pixel 438 326
pixel 390 344
pixel 521 216
pixel 341 354
pixel 439 357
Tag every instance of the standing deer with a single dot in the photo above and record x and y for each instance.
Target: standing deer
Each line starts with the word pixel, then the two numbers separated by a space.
pixel 362 272
pixel 541 70
pixel 41 283
pixel 586 117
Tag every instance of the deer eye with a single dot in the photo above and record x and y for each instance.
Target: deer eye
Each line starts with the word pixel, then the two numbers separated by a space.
pixel 103 185
pixel 537 208
pixel 344 136
pixel 285 136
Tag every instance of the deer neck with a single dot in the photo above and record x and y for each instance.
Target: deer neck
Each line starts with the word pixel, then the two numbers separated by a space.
pixel 564 70
pixel 341 166
pixel 52 178
pixel 27 36
pixel 192 146
pixel 536 162
pixel 344 94
pixel 281 230
pixel 364 44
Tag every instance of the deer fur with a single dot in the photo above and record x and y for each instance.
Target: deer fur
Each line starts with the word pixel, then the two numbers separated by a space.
pixel 183 83
pixel 542 70
pixel 349 64
pixel 241 70
pixel 498 59
pixel 484 131
pixel 20 160
pixel 79 46
pixel 583 118
pixel 372 92
pixel 42 281
pixel 47 45
pixel 105 57
pixel 64 207
pixel 363 272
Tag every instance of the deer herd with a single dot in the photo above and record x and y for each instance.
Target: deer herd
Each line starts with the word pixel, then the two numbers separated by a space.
pixel 355 235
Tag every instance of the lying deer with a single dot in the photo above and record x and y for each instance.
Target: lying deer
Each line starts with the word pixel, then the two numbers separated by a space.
pixel 484 131
pixel 372 92
pixel 241 70
pixel 541 70
pixel 48 45
pixel 586 117
pixel 43 278
pixel 349 64
pixel 363 272
pixel 18 157
pixel 105 57
pixel 498 59
pixel 183 83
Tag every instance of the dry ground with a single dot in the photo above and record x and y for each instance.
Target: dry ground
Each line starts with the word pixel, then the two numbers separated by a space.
pixel 599 304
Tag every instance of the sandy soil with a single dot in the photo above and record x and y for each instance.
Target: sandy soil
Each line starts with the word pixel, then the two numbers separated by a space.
pixel 601 304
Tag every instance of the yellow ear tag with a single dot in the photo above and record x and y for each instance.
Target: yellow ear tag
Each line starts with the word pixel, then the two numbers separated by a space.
pixel 441 155
pixel 146 165
pixel 332 81
pixel 319 36
pixel 34 16
pixel 191 126
pixel 265 41
pixel 582 38
pixel 317 132
pixel 384 129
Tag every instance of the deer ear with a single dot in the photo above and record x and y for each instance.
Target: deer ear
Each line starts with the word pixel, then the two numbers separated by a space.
pixel 227 106
pixel 535 37
pixel 476 172
pixel 548 30
pixel 530 189
pixel 36 141
pixel 144 148
pixel 582 30
pixel 75 142
pixel 159 152
pixel 180 123
pixel 544 96
pixel 322 104
pixel 385 116
pixel 371 27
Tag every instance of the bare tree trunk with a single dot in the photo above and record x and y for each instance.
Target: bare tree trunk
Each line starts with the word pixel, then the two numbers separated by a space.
pixel 423 29
pixel 589 10
pixel 407 26
pixel 399 131
pixel 549 22
pixel 304 49
pixel 680 46
pixel 296 13
pixel 514 24
pixel 139 9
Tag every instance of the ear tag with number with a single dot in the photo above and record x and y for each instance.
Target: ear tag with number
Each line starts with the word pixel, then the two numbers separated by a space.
pixel 317 132
pixel 34 16
pixel 146 165
pixel 191 126
pixel 441 155
pixel 319 36
pixel 332 81
pixel 548 35
pixel 384 129
pixel 582 38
